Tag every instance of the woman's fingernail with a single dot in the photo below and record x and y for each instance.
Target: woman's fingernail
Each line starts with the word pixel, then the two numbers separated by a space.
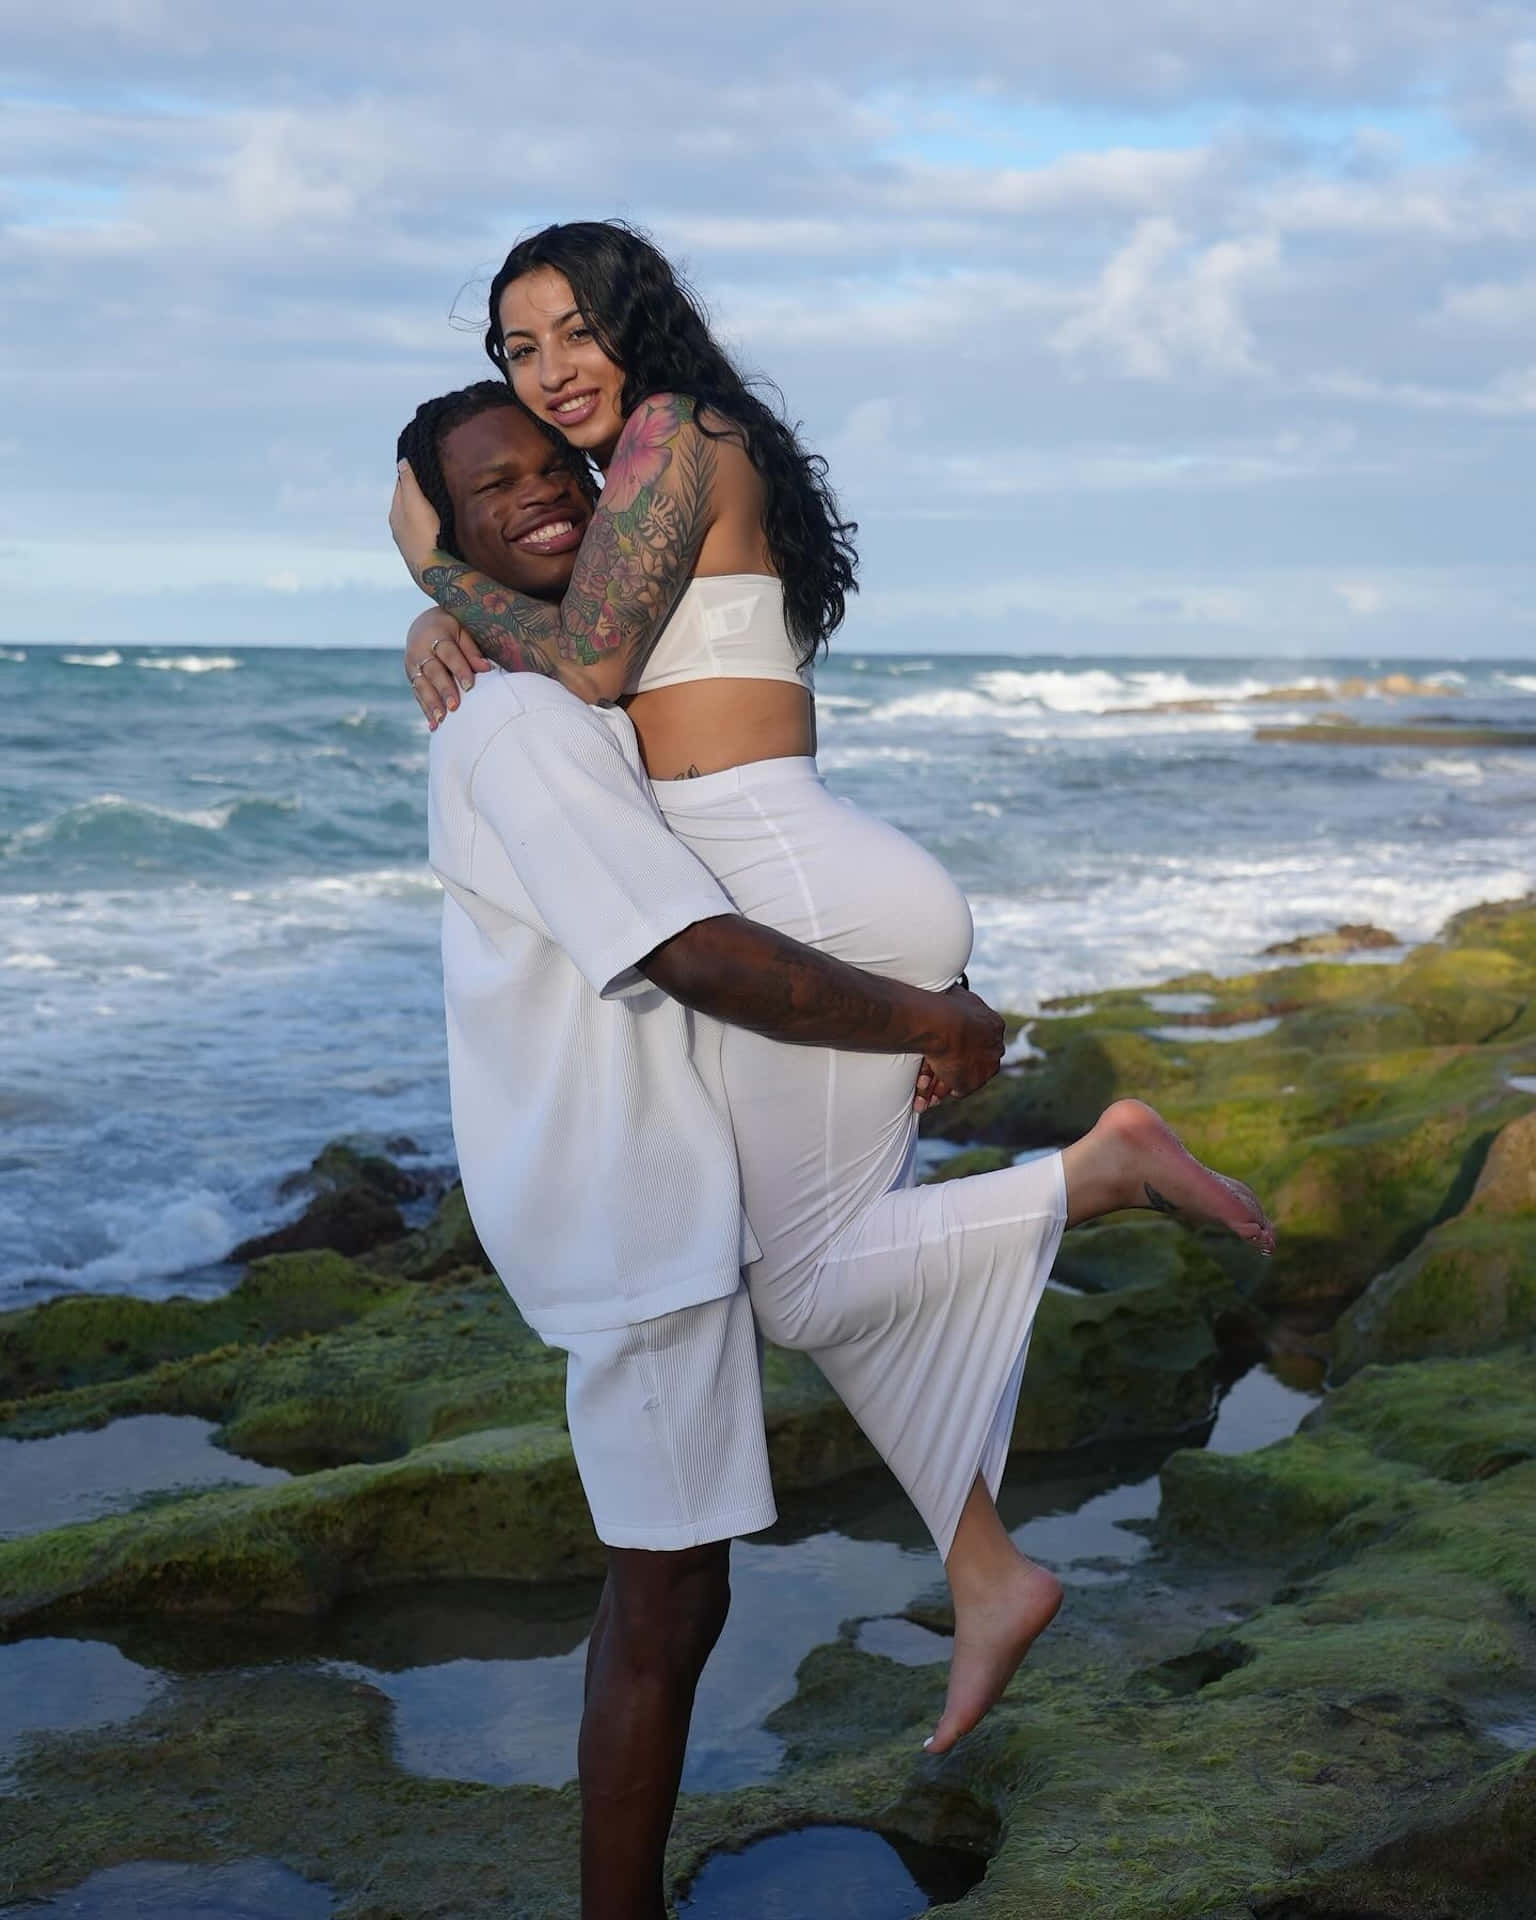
pixel 928 1743
pixel 465 684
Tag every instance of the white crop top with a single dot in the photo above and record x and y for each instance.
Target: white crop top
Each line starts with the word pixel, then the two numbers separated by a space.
pixel 727 626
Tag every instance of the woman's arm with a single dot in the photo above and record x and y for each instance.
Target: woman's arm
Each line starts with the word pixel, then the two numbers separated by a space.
pixel 638 554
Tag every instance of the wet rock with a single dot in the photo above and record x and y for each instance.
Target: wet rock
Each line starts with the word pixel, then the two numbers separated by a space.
pixel 447 1242
pixel 1378 1452
pixel 1351 937
pixel 498 1505
pixel 973 1160
pixel 86 1339
pixel 357 1196
pixel 342 1165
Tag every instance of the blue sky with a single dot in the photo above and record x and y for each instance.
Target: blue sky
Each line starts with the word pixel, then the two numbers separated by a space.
pixel 1204 326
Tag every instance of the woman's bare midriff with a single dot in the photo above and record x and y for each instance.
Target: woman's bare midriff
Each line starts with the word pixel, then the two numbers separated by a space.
pixel 704 726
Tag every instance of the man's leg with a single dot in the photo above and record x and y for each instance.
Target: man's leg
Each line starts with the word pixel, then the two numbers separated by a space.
pixel 660 1616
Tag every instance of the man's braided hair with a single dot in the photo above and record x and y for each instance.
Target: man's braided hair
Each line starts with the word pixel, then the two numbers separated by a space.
pixel 421 442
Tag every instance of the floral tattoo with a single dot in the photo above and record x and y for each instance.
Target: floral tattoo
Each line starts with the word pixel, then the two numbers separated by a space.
pixel 635 559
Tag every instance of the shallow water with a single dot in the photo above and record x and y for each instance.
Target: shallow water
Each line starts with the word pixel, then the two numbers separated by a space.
pixel 155 1890
pixel 81 1476
pixel 818 1871
pixel 486 1680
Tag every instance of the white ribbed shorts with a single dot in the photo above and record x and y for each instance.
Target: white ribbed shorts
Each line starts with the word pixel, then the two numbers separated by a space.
pixel 666 1421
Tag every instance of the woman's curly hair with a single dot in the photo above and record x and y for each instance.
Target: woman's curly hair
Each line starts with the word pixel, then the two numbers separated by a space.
pixel 650 324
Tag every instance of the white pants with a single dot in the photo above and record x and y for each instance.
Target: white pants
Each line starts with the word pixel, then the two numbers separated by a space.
pixel 915 1302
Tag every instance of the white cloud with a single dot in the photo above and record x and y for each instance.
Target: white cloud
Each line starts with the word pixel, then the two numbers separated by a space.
pixel 1178 278
pixel 1161 303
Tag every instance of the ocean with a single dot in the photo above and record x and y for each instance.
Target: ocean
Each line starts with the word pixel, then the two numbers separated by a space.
pixel 218 943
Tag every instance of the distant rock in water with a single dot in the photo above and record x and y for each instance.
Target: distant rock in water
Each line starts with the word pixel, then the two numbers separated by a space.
pixel 1329 730
pixel 1349 938
pixel 1391 686
pixel 356 1205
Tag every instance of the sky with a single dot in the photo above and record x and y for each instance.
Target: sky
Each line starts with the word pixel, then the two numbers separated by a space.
pixel 1190 326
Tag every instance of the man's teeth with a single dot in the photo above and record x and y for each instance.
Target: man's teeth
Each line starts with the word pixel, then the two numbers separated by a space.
pixel 542 536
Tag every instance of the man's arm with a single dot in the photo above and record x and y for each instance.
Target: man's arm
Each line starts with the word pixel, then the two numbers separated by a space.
pixel 748 975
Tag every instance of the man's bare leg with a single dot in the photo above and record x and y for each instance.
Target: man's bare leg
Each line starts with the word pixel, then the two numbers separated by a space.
pixel 660 1616
pixel 1003 1601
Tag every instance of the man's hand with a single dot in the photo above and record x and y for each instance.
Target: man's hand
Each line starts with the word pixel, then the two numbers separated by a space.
pixel 965 1057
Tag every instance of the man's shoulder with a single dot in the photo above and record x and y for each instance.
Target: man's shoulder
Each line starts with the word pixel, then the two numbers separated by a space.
pixel 500 700
pixel 528 710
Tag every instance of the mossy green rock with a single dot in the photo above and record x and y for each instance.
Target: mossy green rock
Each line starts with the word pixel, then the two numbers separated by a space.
pixel 1361 1119
pixel 1321 1752
pixel 84 1339
pixel 1470 1285
pixel 1388 1439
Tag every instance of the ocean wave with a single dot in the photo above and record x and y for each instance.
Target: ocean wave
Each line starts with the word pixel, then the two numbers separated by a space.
pixel 153 1242
pixel 110 823
pixel 1441 769
pixel 1521 682
pixel 1164 920
pixel 190 662
pixel 111 658
pixel 13 654
pixel 1011 693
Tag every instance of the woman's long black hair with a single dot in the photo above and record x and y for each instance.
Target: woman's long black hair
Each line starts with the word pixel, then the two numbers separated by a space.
pixel 650 324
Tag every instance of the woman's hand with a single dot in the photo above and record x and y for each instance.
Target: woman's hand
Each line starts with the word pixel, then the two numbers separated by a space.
pixel 413 522
pixel 440 658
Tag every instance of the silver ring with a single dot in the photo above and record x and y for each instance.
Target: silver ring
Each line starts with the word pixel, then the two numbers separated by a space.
pixel 438 642
pixel 414 677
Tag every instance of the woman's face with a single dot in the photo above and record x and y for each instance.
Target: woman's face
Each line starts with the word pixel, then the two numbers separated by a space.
pixel 556 367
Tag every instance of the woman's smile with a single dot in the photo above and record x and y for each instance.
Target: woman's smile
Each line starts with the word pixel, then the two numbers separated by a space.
pixel 555 365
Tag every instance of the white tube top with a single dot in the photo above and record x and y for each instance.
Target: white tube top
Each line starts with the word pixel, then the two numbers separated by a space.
pixel 727 626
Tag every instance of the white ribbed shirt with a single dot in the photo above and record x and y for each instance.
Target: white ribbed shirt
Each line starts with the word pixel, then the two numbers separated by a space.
pixel 593 1136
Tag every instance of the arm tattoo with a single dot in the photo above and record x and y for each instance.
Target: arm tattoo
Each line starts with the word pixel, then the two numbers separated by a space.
pixel 637 556
pixel 513 630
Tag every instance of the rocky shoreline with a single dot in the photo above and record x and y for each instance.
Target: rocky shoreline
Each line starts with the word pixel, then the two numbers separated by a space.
pixel 1307 1701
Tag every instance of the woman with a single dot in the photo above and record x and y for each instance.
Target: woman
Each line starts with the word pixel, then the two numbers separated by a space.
pixel 714 566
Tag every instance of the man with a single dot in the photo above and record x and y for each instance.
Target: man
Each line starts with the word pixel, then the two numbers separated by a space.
pixel 579 938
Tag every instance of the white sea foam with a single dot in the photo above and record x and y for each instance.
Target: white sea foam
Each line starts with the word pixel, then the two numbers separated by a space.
pixel 14 654
pixel 152 1239
pixel 110 658
pixel 1012 693
pixel 1179 916
pixel 1521 682
pixel 1443 769
pixel 190 662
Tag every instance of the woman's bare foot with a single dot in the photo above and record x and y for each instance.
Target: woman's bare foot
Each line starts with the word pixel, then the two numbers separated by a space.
pixel 1133 1158
pixel 992 1635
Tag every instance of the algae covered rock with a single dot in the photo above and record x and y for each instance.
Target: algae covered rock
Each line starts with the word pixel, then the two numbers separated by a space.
pixel 1470 1284
pixel 1369 1458
pixel 87 1338
pixel 355 1205
pixel 499 1505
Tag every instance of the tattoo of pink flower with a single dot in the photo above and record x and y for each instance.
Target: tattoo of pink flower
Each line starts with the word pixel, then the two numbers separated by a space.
pixel 642 455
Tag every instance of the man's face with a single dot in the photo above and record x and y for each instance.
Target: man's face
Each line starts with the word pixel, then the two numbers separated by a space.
pixel 519 509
